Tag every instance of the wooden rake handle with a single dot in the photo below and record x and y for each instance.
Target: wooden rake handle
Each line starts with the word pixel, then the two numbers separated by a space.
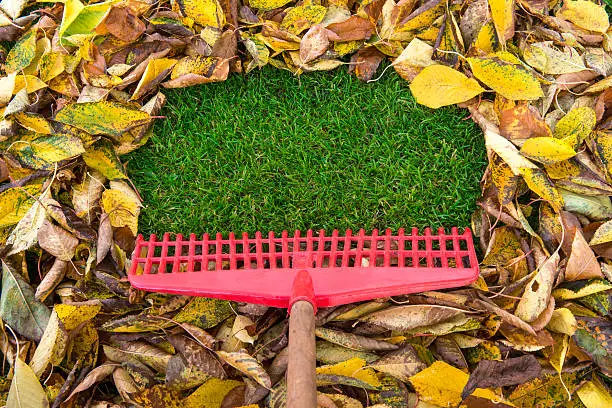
pixel 301 369
pixel 301 376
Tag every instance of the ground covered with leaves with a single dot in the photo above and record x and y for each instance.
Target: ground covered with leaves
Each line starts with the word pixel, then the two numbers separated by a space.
pixel 271 151
pixel 80 89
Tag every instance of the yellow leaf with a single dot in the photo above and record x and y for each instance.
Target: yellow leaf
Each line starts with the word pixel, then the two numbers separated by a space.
pixel 486 40
pixel 502 12
pixel 559 351
pixel 547 150
pixel 26 390
pixel 15 203
pixel 511 81
pixel 55 148
pixel 52 347
pixel 106 118
pixel 585 14
pixel 301 18
pixel 352 368
pixel 266 5
pixel 156 71
pixel 30 82
pixel 441 384
pixel 204 12
pixel 7 84
pixel 211 393
pixel 578 289
pixel 22 53
pixel 576 126
pixel 423 17
pixel 439 85
pixel 122 209
pixel 343 401
pixel 416 56
pixel 51 65
pixel 79 21
pixel 198 65
pixel 594 395
pixel 248 365
pixel 102 157
pixel 550 60
pixel 508 152
pixel 539 183
pixel 73 315
pixel 34 122
pixel 548 391
pixel 603 234
pixel 563 321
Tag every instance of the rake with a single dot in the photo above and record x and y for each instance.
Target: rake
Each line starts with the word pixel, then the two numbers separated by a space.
pixel 303 273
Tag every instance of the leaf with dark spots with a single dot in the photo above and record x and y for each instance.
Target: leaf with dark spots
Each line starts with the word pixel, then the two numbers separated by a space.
pixel 193 366
pixel 19 308
pixel 594 337
pixel 513 371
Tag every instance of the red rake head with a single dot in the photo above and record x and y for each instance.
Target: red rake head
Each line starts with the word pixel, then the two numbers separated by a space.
pixel 344 269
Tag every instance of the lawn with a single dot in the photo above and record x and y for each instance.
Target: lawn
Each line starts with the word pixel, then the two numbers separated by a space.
pixel 270 151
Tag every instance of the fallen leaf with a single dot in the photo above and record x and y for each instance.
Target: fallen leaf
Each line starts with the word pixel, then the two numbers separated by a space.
pixel 442 384
pixel 538 290
pixel 510 80
pixel 19 307
pixel 242 361
pixel 439 85
pixel 352 341
pixel 314 43
pixel 547 150
pixel 210 394
pixel 107 118
pixel 408 317
pixel 401 364
pixel 350 372
pixel 585 14
pixel 26 390
pixel 593 394
pixel 57 241
pixel 513 371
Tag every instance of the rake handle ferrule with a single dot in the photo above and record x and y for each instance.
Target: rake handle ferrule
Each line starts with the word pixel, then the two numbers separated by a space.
pixel 301 371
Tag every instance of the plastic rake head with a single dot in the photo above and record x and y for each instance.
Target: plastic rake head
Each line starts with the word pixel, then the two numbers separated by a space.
pixel 325 269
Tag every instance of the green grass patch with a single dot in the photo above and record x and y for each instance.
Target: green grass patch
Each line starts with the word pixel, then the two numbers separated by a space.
pixel 270 151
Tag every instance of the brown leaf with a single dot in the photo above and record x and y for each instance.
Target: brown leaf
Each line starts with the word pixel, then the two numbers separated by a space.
pixel 353 29
pixel 314 43
pixel 51 279
pixel 121 23
pixel 513 371
pixel 401 364
pixel 353 341
pixel 582 263
pixel 94 376
pixel 365 63
pixel 57 241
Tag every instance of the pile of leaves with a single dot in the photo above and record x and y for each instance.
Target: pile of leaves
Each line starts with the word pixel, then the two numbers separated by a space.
pixel 79 88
